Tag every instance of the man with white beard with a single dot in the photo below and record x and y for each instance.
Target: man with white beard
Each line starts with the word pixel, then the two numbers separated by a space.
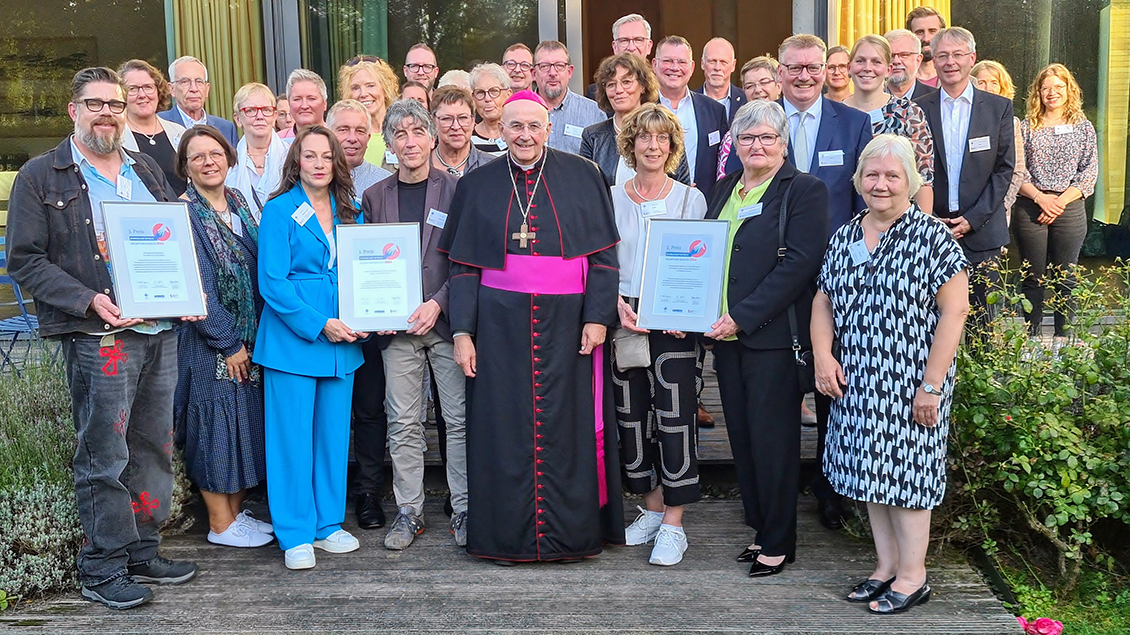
pixel 906 57
pixel 569 113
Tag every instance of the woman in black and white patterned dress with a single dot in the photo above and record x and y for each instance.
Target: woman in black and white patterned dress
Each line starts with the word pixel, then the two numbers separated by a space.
pixel 894 297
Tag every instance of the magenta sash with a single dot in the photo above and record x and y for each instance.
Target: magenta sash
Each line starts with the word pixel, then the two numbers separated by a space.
pixel 551 275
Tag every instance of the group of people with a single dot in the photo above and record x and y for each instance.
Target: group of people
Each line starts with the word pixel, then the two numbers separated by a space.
pixel 858 203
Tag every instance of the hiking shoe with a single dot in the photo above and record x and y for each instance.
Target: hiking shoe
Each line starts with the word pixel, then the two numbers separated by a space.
pixel 240 534
pixel 162 571
pixel 247 518
pixel 459 529
pixel 300 557
pixel 120 593
pixel 644 528
pixel 404 530
pixel 670 545
pixel 340 541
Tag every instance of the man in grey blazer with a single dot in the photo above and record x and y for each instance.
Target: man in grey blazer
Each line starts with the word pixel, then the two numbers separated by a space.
pixel 417 193
pixel 189 79
pixel 974 155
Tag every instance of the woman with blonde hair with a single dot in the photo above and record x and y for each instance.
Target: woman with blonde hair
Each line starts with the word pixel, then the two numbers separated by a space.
pixel 374 84
pixel 1061 154
pixel 992 77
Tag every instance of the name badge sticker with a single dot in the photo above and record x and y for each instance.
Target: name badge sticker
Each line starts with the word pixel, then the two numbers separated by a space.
pixel 749 211
pixel 858 252
pixel 437 218
pixel 573 131
pixel 390 158
pixel 303 213
pixel 876 116
pixel 1064 128
pixel 980 144
pixel 125 188
pixel 831 158
pixel 714 138
pixel 237 225
pixel 653 208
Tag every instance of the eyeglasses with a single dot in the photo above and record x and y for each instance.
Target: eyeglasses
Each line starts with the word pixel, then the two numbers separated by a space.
pixel 673 61
pixel 623 42
pixel 116 106
pixel 148 89
pixel 416 68
pixel 512 64
pixel 905 56
pixel 627 83
pixel 795 69
pixel 1053 90
pixel 518 128
pixel 647 137
pixel 215 155
pixel 557 66
pixel 942 58
pixel 188 82
pixel 833 68
pixel 252 111
pixel 492 92
pixel 763 84
pixel 767 140
pixel 451 121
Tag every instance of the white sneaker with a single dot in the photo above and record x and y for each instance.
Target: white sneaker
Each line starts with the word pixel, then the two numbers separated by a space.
pixel 240 534
pixel 246 517
pixel 300 557
pixel 340 541
pixel 670 545
pixel 644 528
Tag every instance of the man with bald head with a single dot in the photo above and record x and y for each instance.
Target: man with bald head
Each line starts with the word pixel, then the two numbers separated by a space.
pixel 718 64
pixel 533 283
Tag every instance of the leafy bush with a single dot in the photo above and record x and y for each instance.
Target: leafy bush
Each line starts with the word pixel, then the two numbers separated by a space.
pixel 1041 429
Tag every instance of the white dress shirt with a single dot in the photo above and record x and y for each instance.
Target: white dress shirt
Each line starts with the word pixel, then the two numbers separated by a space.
pixel 242 176
pixel 685 113
pixel 956 112
pixel 811 126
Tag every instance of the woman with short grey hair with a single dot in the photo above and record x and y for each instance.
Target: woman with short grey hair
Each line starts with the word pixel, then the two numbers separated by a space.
pixel 893 297
pixel 490 88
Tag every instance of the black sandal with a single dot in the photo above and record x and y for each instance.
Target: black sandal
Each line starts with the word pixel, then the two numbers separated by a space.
pixel 868 590
pixel 891 602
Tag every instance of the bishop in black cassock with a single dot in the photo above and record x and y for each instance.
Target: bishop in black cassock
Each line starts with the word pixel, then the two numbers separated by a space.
pixel 532 263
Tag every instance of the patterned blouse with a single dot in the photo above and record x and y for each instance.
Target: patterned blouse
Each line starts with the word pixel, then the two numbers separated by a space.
pixel 1060 157
pixel 904 118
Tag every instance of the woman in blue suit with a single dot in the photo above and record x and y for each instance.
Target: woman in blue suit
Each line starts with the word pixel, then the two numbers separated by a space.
pixel 308 355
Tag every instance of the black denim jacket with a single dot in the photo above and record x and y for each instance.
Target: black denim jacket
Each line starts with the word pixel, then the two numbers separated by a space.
pixel 52 251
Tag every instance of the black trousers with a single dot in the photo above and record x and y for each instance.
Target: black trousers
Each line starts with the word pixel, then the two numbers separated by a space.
pixel 370 422
pixel 1057 244
pixel 761 401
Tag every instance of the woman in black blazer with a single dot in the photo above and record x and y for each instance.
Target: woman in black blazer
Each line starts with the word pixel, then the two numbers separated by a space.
pixel 753 356
pixel 623 83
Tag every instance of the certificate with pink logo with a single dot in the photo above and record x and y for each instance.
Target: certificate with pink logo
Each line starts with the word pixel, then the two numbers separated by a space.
pixel 152 260
pixel 379 275
pixel 681 284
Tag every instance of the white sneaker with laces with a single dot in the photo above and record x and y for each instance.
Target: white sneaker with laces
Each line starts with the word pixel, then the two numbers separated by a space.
pixel 670 545
pixel 240 534
pixel 300 557
pixel 246 517
pixel 644 528
pixel 340 541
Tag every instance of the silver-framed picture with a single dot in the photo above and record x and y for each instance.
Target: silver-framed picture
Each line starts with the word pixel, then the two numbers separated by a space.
pixel 681 280
pixel 379 275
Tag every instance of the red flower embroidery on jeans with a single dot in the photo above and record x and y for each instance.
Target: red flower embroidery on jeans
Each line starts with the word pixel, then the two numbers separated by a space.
pixel 120 426
pixel 144 506
pixel 113 355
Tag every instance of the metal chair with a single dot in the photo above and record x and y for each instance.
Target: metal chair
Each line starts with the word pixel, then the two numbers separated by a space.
pixel 23 326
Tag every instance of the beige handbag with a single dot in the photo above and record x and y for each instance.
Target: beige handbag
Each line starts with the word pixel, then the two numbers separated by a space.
pixel 630 349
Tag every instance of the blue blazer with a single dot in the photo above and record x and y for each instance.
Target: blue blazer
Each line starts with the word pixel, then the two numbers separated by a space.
pixel 737 99
pixel 849 130
pixel 225 127
pixel 299 288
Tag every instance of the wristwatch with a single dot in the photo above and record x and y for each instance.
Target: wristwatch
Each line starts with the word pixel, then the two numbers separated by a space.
pixel 930 390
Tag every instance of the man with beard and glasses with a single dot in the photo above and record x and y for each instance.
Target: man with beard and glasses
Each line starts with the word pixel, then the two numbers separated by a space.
pixel 569 113
pixel 924 23
pixel 122 372
pixel 533 287
pixel 906 57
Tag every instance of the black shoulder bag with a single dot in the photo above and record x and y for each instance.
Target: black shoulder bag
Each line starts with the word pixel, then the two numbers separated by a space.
pixel 806 369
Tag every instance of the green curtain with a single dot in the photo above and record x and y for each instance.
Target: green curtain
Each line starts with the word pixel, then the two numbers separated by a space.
pixel 336 30
pixel 227 35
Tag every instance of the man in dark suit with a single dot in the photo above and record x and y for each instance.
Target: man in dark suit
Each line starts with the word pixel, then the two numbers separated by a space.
pixel 974 157
pixel 422 195
pixel 906 57
pixel 718 64
pixel 825 140
pixel 704 120
pixel 189 79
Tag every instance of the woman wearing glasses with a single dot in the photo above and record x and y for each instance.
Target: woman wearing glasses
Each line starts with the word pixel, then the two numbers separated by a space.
pixel 1061 155
pixel 764 294
pixel 219 398
pixel 374 84
pixel 837 84
pixel 147 92
pixel 453 110
pixel 759 81
pixel 490 88
pixel 260 153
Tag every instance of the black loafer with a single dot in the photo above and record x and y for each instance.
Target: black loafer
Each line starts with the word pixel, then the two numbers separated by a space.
pixel 749 555
pixel 369 512
pixel 760 570
pixel 832 514
pixel 868 590
pixel 891 602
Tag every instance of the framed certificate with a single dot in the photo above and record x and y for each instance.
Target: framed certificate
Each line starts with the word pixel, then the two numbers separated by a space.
pixel 153 260
pixel 681 282
pixel 379 275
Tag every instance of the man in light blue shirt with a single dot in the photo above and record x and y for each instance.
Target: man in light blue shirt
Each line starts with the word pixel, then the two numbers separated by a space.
pixel 569 113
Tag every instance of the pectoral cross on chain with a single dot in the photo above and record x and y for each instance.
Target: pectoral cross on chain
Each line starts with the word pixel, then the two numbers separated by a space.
pixel 522 235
